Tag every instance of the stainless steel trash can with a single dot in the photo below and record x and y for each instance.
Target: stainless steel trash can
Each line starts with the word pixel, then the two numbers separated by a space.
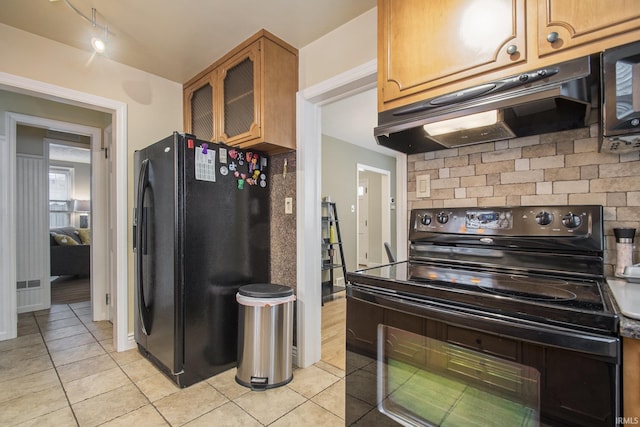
pixel 265 335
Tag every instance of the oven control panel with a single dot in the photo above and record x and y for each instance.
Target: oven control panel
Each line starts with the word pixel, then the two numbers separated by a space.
pixel 553 221
pixel 491 219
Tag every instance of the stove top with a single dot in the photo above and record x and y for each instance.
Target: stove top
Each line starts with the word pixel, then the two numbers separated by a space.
pixel 558 301
pixel 551 290
pixel 539 263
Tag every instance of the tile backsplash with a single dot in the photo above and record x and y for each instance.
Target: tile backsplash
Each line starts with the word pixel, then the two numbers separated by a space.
pixel 553 169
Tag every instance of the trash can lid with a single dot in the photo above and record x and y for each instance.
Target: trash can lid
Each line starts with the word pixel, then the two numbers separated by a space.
pixel 265 290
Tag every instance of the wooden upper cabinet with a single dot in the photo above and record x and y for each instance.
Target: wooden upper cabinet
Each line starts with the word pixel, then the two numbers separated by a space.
pixel 427 48
pixel 252 91
pixel 239 84
pixel 591 25
pixel 423 45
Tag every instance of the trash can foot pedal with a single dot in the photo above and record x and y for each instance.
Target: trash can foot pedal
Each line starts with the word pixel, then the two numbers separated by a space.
pixel 259 383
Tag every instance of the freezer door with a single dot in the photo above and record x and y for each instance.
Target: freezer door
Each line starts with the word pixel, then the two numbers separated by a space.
pixel 158 297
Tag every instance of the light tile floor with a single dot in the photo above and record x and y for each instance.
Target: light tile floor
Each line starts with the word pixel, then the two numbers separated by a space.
pixel 62 370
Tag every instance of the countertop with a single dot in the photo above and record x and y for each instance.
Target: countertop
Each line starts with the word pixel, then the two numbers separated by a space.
pixel 626 299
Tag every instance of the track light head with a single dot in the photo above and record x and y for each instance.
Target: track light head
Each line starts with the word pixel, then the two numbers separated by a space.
pixel 98 44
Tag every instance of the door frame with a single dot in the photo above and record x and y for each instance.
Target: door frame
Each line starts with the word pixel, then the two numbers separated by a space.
pixel 365 183
pixel 110 214
pixel 308 195
pixel 385 204
pixel 120 273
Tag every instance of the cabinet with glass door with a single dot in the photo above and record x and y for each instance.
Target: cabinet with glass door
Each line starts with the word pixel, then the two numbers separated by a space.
pixel 248 97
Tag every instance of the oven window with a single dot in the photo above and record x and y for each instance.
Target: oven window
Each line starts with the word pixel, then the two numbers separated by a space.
pixel 423 381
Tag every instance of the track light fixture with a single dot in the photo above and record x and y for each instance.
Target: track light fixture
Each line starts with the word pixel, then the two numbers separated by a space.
pixel 98 44
pixel 101 32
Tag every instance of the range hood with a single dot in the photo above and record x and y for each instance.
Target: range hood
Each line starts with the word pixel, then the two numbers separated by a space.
pixel 544 100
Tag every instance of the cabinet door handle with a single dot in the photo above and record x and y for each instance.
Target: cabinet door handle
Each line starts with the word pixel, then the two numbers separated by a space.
pixel 512 49
pixel 553 37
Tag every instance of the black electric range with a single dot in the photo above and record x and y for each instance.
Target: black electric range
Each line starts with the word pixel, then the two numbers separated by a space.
pixel 529 276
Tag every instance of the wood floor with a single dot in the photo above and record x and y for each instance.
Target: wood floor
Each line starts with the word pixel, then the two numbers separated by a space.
pixel 334 330
pixel 70 290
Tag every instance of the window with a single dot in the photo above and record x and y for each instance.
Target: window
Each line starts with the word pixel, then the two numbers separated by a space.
pixel 60 185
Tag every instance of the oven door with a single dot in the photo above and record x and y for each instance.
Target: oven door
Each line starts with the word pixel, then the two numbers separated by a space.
pixel 411 362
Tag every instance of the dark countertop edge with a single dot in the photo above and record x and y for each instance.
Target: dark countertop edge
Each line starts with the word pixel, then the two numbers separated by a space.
pixel 629 328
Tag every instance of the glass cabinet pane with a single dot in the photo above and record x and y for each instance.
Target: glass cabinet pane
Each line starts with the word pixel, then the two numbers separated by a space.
pixel 202 113
pixel 239 112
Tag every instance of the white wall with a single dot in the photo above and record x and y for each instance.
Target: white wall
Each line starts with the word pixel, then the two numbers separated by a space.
pixel 154 104
pixel 345 48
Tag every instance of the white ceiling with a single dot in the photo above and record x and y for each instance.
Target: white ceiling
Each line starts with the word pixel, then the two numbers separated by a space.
pixel 177 39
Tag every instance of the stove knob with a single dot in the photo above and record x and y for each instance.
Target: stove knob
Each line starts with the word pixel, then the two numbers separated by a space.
pixel 443 218
pixel 571 220
pixel 426 220
pixel 544 218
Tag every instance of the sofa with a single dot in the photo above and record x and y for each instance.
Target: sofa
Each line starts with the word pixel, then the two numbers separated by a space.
pixel 70 251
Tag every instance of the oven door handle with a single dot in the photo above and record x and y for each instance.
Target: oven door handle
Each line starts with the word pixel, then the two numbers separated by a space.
pixel 519 329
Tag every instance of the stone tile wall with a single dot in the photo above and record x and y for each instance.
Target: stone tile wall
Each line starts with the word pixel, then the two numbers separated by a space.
pixel 553 169
pixel 283 226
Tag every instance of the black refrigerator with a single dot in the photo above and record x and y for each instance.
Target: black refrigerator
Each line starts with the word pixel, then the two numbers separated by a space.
pixel 201 230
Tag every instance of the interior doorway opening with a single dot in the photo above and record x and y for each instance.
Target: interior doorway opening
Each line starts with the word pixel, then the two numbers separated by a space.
pixel 94 188
pixel 116 232
pixel 309 195
pixel 69 211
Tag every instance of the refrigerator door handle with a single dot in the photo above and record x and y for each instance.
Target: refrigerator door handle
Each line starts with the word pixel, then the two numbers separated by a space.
pixel 141 224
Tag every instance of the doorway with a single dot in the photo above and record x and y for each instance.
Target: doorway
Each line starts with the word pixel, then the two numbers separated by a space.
pixel 309 195
pixel 118 234
pixel 98 247
pixel 53 172
pixel 69 160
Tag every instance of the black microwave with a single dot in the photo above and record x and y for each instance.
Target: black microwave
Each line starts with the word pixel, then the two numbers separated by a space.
pixel 620 110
